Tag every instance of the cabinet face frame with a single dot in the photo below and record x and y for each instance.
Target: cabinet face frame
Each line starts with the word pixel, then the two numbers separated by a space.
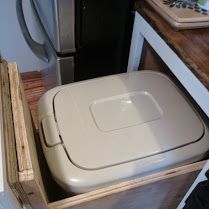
pixel 143 30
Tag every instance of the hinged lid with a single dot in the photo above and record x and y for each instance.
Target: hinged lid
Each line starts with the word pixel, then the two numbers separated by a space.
pixel 117 119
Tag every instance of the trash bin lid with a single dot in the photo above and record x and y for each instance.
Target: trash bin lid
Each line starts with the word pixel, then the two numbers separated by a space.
pixel 117 119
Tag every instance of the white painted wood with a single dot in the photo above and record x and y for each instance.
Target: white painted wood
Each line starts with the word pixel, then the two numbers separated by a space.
pixel 180 70
pixel 191 83
pixel 201 177
pixel 137 41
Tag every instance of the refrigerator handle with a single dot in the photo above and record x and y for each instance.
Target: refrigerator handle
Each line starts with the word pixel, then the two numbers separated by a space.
pixel 38 49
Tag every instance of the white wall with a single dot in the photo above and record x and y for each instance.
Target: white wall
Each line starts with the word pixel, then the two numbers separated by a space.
pixel 12 44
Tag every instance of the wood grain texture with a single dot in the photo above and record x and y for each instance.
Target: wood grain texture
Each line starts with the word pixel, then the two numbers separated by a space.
pixel 150 60
pixel 34 88
pixel 9 137
pixel 28 181
pixel 161 190
pixel 8 128
pixel 31 174
pixel 23 154
pixel 192 46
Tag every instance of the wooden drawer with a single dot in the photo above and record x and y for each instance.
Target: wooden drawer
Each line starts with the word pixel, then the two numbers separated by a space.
pixel 29 179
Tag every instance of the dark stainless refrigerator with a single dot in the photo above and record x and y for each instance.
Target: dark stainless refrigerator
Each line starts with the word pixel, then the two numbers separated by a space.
pixel 83 38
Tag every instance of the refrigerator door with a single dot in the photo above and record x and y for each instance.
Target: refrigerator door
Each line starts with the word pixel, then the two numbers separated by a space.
pixel 58 70
pixel 99 30
pixel 58 20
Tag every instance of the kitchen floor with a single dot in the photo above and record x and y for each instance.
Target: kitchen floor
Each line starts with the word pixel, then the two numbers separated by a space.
pixel 34 89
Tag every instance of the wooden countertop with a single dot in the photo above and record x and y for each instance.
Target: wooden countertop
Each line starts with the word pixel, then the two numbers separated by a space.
pixel 192 46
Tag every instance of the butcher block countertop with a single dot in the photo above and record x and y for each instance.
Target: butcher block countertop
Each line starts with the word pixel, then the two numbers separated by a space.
pixel 192 46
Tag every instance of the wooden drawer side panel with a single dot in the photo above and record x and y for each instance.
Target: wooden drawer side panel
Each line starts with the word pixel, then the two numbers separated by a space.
pixel 163 190
pixel 23 170
pixel 9 136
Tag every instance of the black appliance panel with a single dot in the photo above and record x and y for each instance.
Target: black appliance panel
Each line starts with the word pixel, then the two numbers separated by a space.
pixel 104 30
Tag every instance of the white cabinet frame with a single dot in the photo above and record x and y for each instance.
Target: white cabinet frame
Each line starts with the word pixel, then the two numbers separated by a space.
pixel 142 30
